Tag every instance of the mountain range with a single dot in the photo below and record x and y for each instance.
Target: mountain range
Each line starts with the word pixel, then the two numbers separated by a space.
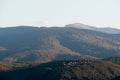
pixel 73 52
pixel 33 44
pixel 105 30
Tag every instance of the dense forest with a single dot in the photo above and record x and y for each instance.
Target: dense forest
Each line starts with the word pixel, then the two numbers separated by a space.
pixel 84 69
pixel 113 59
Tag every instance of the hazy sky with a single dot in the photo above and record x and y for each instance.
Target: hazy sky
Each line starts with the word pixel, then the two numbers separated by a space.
pixel 100 13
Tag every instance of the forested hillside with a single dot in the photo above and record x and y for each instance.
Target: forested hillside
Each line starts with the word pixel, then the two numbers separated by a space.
pixel 66 70
pixel 113 59
pixel 33 44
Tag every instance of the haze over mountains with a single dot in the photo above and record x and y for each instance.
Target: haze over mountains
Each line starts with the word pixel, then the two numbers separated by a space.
pixel 33 44
pixel 76 51
pixel 106 29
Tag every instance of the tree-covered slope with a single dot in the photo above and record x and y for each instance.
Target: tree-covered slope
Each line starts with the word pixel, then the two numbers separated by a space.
pixel 33 44
pixel 113 59
pixel 65 70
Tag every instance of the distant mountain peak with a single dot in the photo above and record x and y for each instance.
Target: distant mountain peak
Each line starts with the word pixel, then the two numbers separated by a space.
pixel 79 25
pixel 109 30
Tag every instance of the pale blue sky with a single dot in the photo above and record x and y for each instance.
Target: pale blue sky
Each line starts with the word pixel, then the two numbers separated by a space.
pixel 100 13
